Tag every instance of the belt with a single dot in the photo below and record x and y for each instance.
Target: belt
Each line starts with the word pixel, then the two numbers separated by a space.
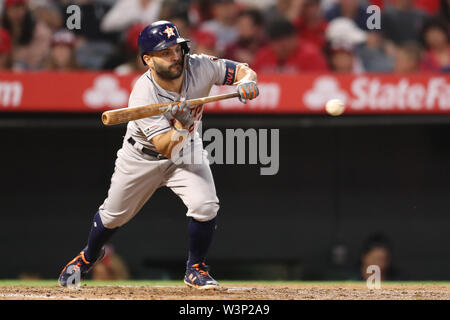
pixel 145 150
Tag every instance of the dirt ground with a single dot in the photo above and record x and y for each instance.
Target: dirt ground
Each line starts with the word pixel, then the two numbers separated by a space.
pixel 232 292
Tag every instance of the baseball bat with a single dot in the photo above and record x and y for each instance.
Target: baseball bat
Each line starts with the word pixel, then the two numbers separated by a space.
pixel 122 115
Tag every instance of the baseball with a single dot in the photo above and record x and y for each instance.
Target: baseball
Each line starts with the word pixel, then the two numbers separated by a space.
pixel 335 107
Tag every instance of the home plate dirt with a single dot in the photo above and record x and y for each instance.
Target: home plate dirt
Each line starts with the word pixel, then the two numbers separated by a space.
pixel 233 292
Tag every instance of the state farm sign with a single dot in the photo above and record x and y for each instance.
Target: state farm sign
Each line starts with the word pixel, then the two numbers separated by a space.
pixel 10 93
pixel 279 93
pixel 402 95
pixel 382 94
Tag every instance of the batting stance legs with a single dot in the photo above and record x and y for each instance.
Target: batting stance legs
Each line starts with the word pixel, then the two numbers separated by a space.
pixel 136 177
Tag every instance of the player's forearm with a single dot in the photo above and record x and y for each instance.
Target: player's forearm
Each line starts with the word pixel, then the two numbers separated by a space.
pixel 244 73
pixel 166 142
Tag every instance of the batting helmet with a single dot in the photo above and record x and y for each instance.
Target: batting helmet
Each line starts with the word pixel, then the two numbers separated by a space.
pixel 158 36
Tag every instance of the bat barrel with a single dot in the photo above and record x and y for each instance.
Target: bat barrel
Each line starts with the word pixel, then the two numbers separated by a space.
pixel 121 116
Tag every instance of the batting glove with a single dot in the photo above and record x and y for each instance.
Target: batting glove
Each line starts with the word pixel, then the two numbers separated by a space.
pixel 247 90
pixel 182 113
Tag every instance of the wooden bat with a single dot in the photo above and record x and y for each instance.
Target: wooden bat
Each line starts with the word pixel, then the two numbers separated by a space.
pixel 128 114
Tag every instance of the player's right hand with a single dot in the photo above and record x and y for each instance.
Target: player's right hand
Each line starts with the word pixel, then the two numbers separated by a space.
pixel 247 90
pixel 182 112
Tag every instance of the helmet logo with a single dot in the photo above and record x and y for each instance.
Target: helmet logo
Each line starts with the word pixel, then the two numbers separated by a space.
pixel 169 32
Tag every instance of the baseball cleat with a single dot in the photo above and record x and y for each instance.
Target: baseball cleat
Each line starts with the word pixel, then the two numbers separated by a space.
pixel 77 268
pixel 197 276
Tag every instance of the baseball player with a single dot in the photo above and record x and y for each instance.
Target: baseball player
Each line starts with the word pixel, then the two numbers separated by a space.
pixel 147 158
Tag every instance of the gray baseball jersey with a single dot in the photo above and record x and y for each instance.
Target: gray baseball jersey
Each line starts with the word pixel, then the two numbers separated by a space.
pixel 201 73
pixel 137 175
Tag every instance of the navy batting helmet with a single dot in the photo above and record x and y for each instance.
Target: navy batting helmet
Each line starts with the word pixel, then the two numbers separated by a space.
pixel 158 36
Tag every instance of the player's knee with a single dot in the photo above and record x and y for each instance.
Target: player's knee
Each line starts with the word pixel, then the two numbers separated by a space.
pixel 204 211
pixel 112 220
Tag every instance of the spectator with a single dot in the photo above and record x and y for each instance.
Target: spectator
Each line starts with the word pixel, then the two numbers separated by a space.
pixel 289 9
pixel 445 11
pixel 111 267
pixel 377 251
pixel 250 26
pixel 428 6
pixel 374 54
pixel 379 3
pixel 175 8
pixel 204 42
pixel 342 58
pixel 286 53
pixel 343 37
pixel 344 30
pixel 200 11
pixel 92 14
pixel 50 14
pixel 134 61
pixel 407 58
pixel 326 5
pixel 223 26
pixel 30 38
pixel 402 22
pixel 310 23
pixel 128 12
pixel 257 4
pixel 93 46
pixel 62 56
pixel 351 9
pixel 435 37
pixel 18 20
pixel 431 7
pixel 5 50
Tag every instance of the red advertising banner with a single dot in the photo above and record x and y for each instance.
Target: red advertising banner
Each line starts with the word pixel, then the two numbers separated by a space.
pixel 306 93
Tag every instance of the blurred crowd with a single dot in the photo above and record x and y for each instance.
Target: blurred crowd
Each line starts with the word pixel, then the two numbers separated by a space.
pixel 282 36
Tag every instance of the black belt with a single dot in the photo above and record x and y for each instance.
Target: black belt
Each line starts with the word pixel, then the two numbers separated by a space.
pixel 145 150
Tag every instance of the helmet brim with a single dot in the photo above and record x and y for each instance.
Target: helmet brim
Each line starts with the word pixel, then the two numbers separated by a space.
pixel 167 44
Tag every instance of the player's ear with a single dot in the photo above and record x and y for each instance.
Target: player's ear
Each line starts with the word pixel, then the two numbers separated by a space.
pixel 148 60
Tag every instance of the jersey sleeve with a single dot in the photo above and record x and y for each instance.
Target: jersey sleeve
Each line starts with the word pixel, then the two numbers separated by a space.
pixel 153 126
pixel 150 126
pixel 221 71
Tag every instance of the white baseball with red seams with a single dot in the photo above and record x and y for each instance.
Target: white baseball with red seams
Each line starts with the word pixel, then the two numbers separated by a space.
pixel 335 107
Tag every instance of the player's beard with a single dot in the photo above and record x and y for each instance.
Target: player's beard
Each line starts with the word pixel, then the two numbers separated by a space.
pixel 174 71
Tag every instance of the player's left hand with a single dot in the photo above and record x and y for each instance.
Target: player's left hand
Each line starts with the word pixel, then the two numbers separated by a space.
pixel 247 90
pixel 182 112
